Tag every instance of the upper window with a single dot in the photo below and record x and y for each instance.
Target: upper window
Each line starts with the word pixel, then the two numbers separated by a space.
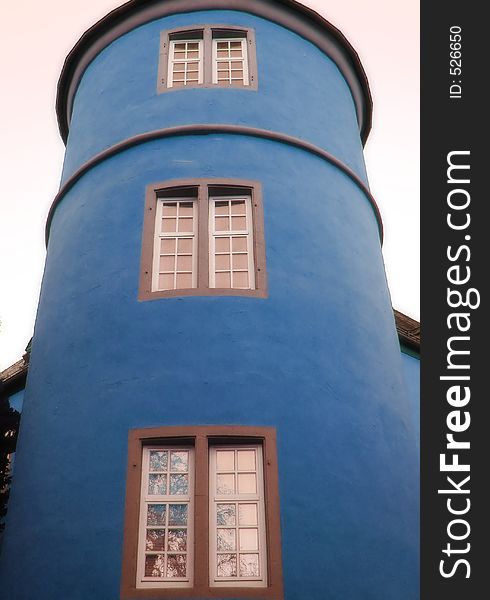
pixel 202 512
pixel 202 238
pixel 207 56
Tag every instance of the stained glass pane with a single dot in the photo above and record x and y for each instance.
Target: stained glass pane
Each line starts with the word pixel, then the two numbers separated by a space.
pixel 226 566
pixel 157 484
pixel 225 460
pixel 247 514
pixel 177 514
pixel 222 261
pixel 222 244
pixel 223 280
pixel 158 460
pixel 166 282
pixel 247 483
pixel 240 261
pixel 239 244
pixel 156 514
pixel 179 461
pixel 176 565
pixel 155 539
pixel 225 514
pixel 155 565
pixel 225 484
pixel 177 540
pixel 226 540
pixel 240 280
pixel 249 565
pixel 249 539
pixel 179 485
pixel 184 246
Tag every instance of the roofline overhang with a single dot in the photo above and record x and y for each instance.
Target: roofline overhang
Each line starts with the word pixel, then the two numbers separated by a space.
pixel 288 13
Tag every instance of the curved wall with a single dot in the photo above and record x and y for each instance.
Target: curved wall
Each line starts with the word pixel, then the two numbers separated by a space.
pixel 300 93
pixel 318 359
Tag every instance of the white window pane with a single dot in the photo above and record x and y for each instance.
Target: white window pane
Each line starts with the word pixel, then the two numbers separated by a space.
pixel 240 280
pixel 247 483
pixel 238 223
pixel 240 261
pixel 222 244
pixel 225 460
pixel 169 209
pixel 222 262
pixel 247 514
pixel 167 263
pixel 223 280
pixel 169 225
pixel 221 208
pixel 184 263
pixel 166 282
pixel 184 246
pixel 239 244
pixel 167 246
pixel 246 460
pixel 222 223
pixel 249 539
pixel 184 281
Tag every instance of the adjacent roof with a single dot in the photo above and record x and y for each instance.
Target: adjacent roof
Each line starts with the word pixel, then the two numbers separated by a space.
pixel 289 13
pixel 408 331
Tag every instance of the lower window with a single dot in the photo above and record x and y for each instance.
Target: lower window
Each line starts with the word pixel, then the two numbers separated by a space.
pixel 202 514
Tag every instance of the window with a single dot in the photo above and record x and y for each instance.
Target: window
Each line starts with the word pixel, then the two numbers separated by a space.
pixel 202 514
pixel 185 63
pixel 207 56
pixel 236 516
pixel 203 238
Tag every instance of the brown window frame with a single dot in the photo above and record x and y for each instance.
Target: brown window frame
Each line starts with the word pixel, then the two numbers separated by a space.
pixel 201 438
pixel 205 189
pixel 207 33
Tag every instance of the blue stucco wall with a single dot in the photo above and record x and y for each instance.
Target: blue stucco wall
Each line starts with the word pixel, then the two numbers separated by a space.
pixel 318 359
pixel 411 369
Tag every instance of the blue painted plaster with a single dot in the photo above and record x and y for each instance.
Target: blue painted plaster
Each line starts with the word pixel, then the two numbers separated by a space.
pixel 318 359
pixel 411 369
pixel 301 93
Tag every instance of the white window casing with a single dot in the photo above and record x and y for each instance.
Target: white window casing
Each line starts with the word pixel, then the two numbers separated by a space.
pixel 230 61
pixel 237 531
pixel 166 536
pixel 185 63
pixel 231 244
pixel 175 244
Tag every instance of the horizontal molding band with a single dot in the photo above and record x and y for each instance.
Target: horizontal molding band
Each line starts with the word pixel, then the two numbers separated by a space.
pixel 208 129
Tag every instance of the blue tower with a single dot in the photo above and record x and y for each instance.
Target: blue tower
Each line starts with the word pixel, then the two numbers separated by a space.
pixel 216 404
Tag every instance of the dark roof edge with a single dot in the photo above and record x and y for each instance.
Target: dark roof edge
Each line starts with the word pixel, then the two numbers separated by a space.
pixel 305 21
pixel 13 378
pixel 408 331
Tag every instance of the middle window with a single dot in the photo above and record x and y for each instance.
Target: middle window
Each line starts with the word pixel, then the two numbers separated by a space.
pixel 203 238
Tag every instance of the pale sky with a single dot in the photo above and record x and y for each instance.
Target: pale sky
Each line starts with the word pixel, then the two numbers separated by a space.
pixel 35 38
